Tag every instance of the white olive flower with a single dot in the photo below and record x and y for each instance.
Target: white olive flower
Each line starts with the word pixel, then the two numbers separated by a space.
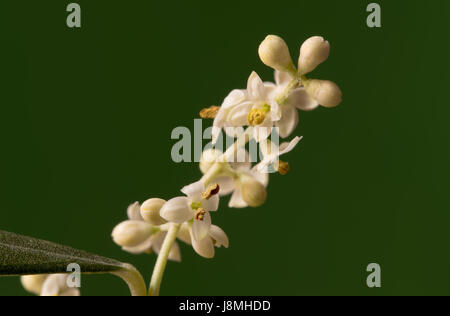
pixel 252 107
pixel 247 184
pixel 271 153
pixel 138 236
pixel 48 285
pixel 215 236
pixel 313 52
pixel 236 98
pixel 298 99
pixel 264 111
pixel 196 205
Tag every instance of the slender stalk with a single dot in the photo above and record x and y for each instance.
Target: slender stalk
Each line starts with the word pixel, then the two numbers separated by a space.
pixel 161 262
pixel 281 99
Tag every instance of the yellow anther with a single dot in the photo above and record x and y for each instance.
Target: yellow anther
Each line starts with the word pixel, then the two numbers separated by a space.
pixel 209 113
pixel 283 168
pixel 149 251
pixel 213 189
pixel 200 214
pixel 256 117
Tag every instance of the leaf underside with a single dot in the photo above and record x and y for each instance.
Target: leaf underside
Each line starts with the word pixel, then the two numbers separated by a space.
pixel 21 255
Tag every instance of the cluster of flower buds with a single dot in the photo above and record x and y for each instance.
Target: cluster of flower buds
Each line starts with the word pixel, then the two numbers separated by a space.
pixel 48 285
pixel 266 105
pixel 262 106
pixel 148 224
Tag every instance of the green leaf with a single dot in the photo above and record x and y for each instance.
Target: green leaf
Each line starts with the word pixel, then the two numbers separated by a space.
pixel 21 255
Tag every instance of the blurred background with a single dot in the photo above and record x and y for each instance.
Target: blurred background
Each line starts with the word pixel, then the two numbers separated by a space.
pixel 87 114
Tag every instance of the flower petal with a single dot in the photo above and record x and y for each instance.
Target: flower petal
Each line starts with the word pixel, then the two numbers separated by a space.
pixel 216 129
pixel 200 229
pixel 238 115
pixel 302 100
pixel 141 248
pixel 234 131
pixel 288 147
pixel 134 212
pixel 54 284
pixel 157 241
pixel 255 88
pixel 212 204
pixel 282 78
pixel 219 236
pixel 194 190
pixel 267 147
pixel 288 122
pixel 177 210
pixel 271 89
pixel 203 247
pixel 33 283
pixel 262 132
pixel 275 111
pixel 236 200
pixel 175 253
pixel 235 97
pixel 184 233
pixel 226 185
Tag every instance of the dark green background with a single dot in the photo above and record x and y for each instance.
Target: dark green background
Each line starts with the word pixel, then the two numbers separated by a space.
pixel 86 117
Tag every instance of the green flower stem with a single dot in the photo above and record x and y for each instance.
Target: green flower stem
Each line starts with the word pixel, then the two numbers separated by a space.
pixel 161 262
pixel 281 99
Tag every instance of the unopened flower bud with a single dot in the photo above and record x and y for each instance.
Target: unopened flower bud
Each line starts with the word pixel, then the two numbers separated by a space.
pixel 33 283
pixel 150 211
pixel 274 52
pixel 313 52
pixel 253 192
pixel 209 157
pixel 132 233
pixel 327 93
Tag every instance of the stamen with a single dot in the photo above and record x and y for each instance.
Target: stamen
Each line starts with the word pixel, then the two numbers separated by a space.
pixel 213 189
pixel 283 168
pixel 149 251
pixel 256 117
pixel 209 113
pixel 200 214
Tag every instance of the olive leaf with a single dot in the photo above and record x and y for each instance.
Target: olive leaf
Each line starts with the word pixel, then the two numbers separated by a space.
pixel 22 255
